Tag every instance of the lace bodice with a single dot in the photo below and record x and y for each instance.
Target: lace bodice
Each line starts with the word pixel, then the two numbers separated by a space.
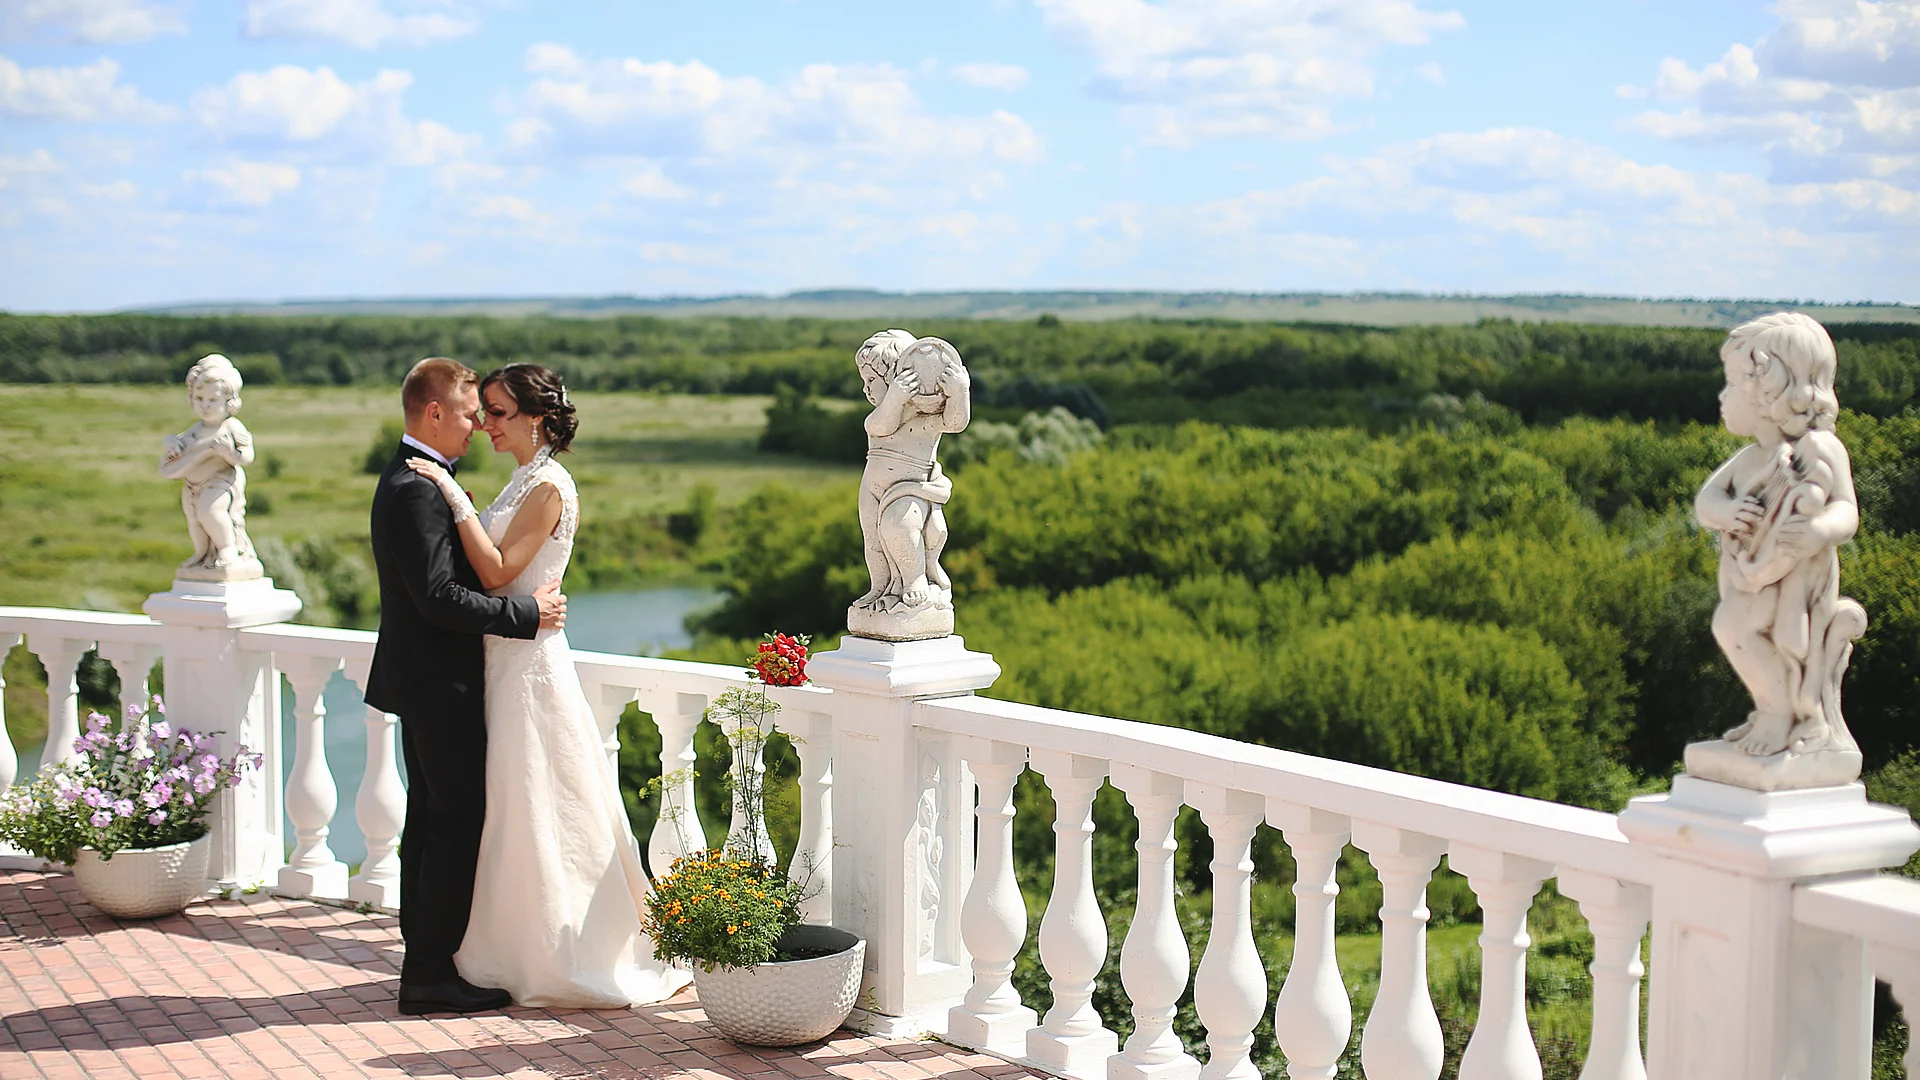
pixel 550 562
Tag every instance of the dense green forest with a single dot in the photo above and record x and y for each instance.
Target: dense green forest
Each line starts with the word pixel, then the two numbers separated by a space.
pixel 1462 552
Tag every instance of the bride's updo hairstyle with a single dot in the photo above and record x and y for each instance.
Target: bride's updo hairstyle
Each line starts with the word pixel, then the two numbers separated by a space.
pixel 537 391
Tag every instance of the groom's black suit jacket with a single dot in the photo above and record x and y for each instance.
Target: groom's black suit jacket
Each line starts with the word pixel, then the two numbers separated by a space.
pixel 433 611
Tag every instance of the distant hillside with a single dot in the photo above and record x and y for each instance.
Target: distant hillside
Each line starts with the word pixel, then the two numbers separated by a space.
pixel 1374 309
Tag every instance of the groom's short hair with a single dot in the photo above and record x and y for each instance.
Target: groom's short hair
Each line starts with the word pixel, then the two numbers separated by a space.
pixel 434 379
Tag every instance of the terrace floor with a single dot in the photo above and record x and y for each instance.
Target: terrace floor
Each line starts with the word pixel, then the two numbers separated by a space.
pixel 261 987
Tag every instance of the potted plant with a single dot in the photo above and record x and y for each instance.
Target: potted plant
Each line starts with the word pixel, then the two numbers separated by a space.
pixel 129 814
pixel 764 978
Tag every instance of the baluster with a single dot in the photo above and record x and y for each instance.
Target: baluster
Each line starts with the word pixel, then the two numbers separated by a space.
pixel 812 862
pixel 675 834
pixel 9 760
pixel 380 808
pixel 607 703
pixel 1073 936
pixel 61 657
pixel 312 796
pixel 1230 989
pixel 993 918
pixel 133 663
pixel 1617 913
pixel 1153 961
pixel 1900 969
pixel 1402 1036
pixel 1312 1018
pixel 1502 1045
pixel 749 768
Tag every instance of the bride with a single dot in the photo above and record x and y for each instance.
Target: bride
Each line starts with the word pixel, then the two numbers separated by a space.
pixel 560 887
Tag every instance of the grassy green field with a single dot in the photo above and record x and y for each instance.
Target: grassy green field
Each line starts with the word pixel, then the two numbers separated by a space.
pixel 90 524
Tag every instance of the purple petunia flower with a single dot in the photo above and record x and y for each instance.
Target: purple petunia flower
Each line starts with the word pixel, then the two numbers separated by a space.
pixel 156 817
pixel 203 783
pixel 159 706
pixel 209 763
pixel 101 819
pixel 94 797
pixel 162 730
pixel 123 807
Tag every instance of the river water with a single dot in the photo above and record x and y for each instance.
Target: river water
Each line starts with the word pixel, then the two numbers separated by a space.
pixel 642 622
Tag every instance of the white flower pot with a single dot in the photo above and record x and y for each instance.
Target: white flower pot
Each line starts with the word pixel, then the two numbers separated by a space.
pixel 140 883
pixel 786 1003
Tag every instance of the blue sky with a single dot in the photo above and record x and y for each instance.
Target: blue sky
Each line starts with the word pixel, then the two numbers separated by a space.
pixel 154 151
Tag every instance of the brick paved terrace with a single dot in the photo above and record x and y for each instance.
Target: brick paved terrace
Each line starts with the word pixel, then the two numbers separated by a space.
pixel 260 987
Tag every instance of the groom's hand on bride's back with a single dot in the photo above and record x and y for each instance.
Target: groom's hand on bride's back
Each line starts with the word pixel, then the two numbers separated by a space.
pixel 553 607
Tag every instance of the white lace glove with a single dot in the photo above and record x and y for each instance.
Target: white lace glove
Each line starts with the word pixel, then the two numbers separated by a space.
pixel 456 498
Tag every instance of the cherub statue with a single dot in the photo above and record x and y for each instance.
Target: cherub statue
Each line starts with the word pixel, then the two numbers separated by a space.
pixel 919 391
pixel 1781 505
pixel 211 457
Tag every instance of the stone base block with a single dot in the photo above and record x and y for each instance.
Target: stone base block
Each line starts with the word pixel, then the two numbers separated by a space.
pixel 326 882
pixel 381 894
pixel 940 667
pixel 1001 1033
pixel 1721 761
pixel 1072 1055
pixel 1772 834
pixel 238 570
pixel 222 604
pixel 919 624
pixel 1184 1067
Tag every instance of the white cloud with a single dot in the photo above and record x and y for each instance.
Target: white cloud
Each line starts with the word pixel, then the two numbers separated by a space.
pixel 248 183
pixel 363 24
pixel 649 182
pixel 91 92
pixel 1832 92
pixel 991 76
pixel 1188 70
pixel 1432 73
pixel 96 22
pixel 317 111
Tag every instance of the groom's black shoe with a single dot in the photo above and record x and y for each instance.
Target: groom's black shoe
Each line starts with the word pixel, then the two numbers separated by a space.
pixel 456 995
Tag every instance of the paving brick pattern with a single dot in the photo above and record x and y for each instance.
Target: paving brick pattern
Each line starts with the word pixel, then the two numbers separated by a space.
pixel 262 987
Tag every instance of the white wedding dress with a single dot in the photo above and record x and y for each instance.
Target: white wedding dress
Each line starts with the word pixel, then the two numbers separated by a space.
pixel 559 890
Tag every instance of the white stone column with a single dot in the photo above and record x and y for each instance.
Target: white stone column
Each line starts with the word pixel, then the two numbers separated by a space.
pixel 1616 911
pixel 134 664
pixel 1230 987
pixel 1738 989
pixel 380 807
pixel 312 794
pixel 1073 935
pixel 900 871
pixel 9 759
pixel 61 657
pixel 812 864
pixel 1501 1047
pixel 993 919
pixel 748 767
pixel 677 716
pixel 1312 1017
pixel 607 703
pixel 1900 968
pixel 1154 960
pixel 215 686
pixel 1402 1037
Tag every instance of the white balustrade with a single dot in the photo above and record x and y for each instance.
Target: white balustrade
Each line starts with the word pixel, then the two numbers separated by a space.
pixel 133 662
pixel 993 918
pixel 1154 958
pixel 1501 1047
pixel 812 864
pixel 676 831
pixel 312 796
pixel 1230 987
pixel 380 806
pixel 1073 936
pixel 1402 1036
pixel 1312 1017
pixel 61 657
pixel 1616 912
pixel 9 760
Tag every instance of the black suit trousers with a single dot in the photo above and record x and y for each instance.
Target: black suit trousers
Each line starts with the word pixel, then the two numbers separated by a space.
pixel 446 757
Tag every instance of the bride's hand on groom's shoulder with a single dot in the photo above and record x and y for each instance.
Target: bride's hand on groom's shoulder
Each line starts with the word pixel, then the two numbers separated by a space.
pixel 456 498
pixel 553 606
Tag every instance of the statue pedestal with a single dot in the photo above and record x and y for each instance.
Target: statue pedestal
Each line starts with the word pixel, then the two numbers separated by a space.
pixel 213 685
pixel 903 827
pixel 1737 988
pixel 1720 760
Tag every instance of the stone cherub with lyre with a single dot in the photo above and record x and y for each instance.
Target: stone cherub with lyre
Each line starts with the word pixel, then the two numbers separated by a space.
pixel 919 391
pixel 1782 505
pixel 211 458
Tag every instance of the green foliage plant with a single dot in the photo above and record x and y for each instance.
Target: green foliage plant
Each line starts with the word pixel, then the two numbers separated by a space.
pixel 141 786
pixel 728 906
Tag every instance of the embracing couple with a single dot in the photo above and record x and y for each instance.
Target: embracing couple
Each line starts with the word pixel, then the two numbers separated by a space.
pixel 519 875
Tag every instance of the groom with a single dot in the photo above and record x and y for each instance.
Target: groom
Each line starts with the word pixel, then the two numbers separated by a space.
pixel 428 670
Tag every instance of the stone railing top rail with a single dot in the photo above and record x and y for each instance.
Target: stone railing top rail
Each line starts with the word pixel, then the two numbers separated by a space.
pixel 1881 909
pixel 1567 836
pixel 92 625
pixel 292 639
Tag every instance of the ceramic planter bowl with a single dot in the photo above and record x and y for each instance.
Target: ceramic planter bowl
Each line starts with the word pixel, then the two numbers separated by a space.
pixel 141 883
pixel 786 1003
